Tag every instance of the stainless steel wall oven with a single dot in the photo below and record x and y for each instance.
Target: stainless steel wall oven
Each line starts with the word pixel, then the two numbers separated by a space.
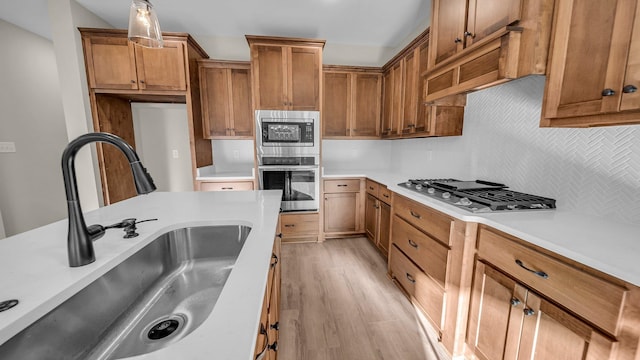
pixel 288 152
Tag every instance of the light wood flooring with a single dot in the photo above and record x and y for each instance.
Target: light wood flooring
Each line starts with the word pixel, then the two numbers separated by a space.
pixel 338 303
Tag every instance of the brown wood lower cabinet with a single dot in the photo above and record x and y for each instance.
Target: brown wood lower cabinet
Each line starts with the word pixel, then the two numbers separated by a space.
pixel 343 207
pixel 529 303
pixel 377 215
pixel 225 185
pixel 509 321
pixel 431 259
pixel 299 227
pixel 268 331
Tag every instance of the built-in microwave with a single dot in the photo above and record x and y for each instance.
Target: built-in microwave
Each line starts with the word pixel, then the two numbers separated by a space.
pixel 290 134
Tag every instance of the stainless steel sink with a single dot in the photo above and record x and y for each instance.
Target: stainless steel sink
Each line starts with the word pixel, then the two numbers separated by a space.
pixel 153 299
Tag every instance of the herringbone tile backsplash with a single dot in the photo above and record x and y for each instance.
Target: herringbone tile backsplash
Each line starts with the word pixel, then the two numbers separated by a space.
pixel 593 171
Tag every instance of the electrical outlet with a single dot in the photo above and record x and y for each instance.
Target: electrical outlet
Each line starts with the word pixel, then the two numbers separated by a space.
pixel 175 154
pixel 7 147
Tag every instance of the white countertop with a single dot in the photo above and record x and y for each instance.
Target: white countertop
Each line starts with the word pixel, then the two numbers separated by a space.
pixel 613 248
pixel 216 174
pixel 35 268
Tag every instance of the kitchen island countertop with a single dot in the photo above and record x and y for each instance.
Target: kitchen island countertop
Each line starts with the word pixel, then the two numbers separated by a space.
pixel 607 246
pixel 36 271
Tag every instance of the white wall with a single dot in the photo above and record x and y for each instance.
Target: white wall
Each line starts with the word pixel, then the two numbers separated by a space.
pixel 162 142
pixel 2 233
pixel 31 187
pixel 233 155
pixel 591 171
pixel 65 18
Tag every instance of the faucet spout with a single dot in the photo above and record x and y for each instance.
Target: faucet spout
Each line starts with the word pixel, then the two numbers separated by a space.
pixel 80 237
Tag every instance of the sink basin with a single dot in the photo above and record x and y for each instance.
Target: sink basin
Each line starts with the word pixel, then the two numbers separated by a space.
pixel 152 299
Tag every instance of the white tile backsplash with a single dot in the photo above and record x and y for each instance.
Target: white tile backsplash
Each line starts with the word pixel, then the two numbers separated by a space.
pixel 356 154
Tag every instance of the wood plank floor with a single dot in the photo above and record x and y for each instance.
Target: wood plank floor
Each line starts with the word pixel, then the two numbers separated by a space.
pixel 337 303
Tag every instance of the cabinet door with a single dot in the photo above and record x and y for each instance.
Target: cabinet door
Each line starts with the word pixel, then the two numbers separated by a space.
pixel 384 228
pixel 304 79
pixel 410 92
pixel 162 69
pixel 241 114
pixel 448 21
pixel 549 332
pixel 214 91
pixel 337 104
pixel 341 212
pixel 371 218
pixel 398 100
pixel 495 305
pixel 366 107
pixel 586 84
pixel 387 103
pixel 422 116
pixel 631 96
pixel 488 16
pixel 111 63
pixel 269 77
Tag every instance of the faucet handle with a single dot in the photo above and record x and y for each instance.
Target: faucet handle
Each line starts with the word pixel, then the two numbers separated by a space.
pixel 96 231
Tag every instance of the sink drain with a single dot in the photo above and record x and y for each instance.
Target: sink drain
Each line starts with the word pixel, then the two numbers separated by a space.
pixel 6 305
pixel 163 328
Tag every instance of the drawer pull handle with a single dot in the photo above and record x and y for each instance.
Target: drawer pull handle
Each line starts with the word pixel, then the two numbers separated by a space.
pixel 289 225
pixel 529 312
pixel 410 278
pixel 542 274
pixel 515 301
pixel 342 185
pixel 274 257
pixel 370 187
pixel 385 195
pixel 227 188
pixel 415 215
pixel 412 243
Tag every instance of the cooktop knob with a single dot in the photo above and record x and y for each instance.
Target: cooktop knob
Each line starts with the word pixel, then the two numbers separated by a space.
pixel 446 195
pixel 465 201
pixel 418 187
pixel 431 190
pixel 408 183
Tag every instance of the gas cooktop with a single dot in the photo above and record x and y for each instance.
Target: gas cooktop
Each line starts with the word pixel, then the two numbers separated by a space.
pixel 478 196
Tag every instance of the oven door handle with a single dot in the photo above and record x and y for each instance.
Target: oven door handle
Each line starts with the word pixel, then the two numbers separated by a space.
pixel 288 168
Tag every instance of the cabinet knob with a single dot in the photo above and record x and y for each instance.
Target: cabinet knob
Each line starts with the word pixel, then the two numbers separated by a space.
pixel 515 301
pixel 529 312
pixel 469 34
pixel 275 326
pixel 608 92
pixel 142 81
pixel 273 346
pixel 457 40
pixel 629 89
pixel 133 81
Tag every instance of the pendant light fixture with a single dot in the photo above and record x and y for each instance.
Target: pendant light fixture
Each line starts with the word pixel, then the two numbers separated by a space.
pixel 144 28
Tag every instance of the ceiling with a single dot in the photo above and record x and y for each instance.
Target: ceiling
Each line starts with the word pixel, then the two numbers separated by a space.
pixel 380 23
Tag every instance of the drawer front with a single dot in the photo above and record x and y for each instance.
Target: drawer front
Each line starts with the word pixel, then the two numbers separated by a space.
pixel 347 185
pixel 435 224
pixel 226 186
pixel 418 285
pixel 595 299
pixel 372 187
pixel 384 194
pixel 429 254
pixel 299 224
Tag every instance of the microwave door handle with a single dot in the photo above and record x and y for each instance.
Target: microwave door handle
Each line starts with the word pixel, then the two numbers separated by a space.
pixel 287 168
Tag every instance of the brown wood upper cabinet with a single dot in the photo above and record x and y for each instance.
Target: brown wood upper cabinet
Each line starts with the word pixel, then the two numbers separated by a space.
pixel 475 44
pixel 225 89
pixel 457 24
pixel 404 112
pixel 599 87
pixel 116 63
pixel 351 102
pixel 287 73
